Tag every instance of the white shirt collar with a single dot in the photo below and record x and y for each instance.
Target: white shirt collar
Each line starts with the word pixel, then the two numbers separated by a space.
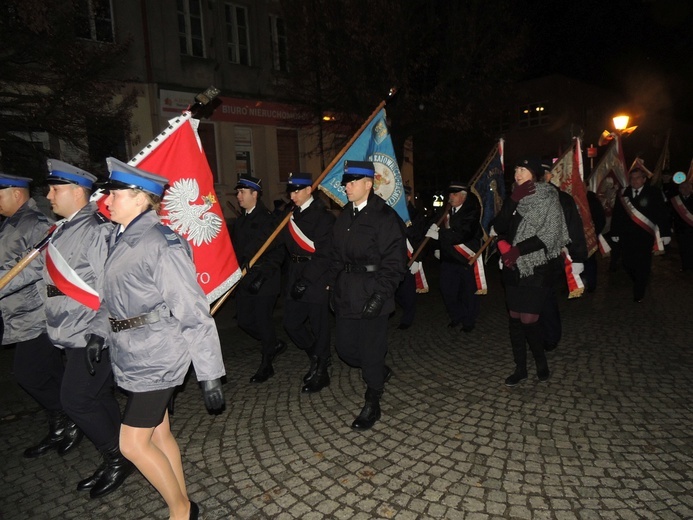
pixel 307 203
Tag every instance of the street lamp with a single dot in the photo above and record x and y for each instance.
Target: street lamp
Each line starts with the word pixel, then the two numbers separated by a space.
pixel 621 122
pixel 621 128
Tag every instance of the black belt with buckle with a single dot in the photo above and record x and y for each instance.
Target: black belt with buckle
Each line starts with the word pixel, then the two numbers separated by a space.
pixel 52 290
pixel 299 258
pixel 138 321
pixel 352 268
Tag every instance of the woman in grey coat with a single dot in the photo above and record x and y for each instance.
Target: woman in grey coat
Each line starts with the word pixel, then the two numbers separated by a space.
pixel 160 323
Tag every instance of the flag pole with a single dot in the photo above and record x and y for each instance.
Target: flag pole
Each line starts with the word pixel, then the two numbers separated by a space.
pixel 26 260
pixel 391 94
pixel 426 239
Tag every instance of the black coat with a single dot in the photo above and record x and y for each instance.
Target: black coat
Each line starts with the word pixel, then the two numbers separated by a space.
pixel 465 228
pixel 597 212
pixel 375 237
pixel 248 234
pixel 316 222
pixel 650 203
pixel 578 245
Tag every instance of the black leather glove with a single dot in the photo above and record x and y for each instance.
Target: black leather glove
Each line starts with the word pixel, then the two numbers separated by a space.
pixel 92 351
pixel 373 305
pixel 256 284
pixel 522 190
pixel 213 395
pixel 299 289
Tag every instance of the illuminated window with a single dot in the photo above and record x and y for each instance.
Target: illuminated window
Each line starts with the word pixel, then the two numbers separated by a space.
pixel 533 114
pixel 190 35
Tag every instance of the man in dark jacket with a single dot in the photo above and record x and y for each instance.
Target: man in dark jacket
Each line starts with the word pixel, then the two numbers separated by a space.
pixel 308 241
pixel 682 210
pixel 258 290
pixel 639 209
pixel 550 319
pixel 367 264
pixel 457 281
pixel 599 222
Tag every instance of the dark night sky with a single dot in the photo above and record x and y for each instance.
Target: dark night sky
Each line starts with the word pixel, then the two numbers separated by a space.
pixel 640 47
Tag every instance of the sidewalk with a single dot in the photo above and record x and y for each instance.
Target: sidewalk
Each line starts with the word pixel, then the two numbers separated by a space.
pixel 608 437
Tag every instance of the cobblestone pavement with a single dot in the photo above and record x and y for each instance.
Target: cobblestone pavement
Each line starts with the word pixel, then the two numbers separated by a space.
pixel 608 437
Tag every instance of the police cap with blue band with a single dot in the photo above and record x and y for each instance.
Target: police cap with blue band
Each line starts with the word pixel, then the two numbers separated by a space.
pixel 12 181
pixel 126 177
pixel 60 172
pixel 355 170
pixel 298 181
pixel 248 182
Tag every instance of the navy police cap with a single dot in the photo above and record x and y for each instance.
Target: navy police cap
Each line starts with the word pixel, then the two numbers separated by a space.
pixel 355 170
pixel 246 181
pixel 12 181
pixel 124 177
pixel 298 181
pixel 60 172
pixel 456 187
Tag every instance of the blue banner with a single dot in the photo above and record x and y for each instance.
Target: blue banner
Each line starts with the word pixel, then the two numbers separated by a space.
pixel 375 145
pixel 490 188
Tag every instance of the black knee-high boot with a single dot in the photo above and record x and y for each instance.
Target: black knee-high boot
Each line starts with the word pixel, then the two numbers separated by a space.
pixel 519 345
pixel 535 340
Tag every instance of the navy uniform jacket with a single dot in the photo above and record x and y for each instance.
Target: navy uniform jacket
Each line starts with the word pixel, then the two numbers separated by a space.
pixel 248 235
pixel 375 237
pixel 21 304
pixel 316 223
pixel 650 203
pixel 464 229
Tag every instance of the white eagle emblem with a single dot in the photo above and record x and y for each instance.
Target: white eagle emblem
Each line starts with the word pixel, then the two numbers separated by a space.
pixel 194 221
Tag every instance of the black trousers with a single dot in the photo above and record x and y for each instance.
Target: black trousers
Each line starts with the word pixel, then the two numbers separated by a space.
pixel 308 326
pixel 254 315
pixel 363 344
pixel 637 261
pixel 90 400
pixel 458 286
pixel 550 319
pixel 405 297
pixel 589 276
pixel 38 368
pixel 686 250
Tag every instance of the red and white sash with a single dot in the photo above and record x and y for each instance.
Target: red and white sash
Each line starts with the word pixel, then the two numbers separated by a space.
pixel 645 223
pixel 479 273
pixel 575 285
pixel 604 247
pixel 68 281
pixel 419 275
pixel 682 210
pixel 300 237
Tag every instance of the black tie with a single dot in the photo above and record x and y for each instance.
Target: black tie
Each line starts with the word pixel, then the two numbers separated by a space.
pixel 635 193
pixel 118 235
pixel 356 212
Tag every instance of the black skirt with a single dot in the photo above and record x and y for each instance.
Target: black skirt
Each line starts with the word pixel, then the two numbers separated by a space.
pixel 147 409
pixel 528 294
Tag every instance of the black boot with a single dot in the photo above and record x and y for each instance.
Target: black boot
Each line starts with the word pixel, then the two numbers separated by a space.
pixel 519 345
pixel 312 369
pixel 89 482
pixel 370 412
pixel 57 421
pixel 265 371
pixel 535 340
pixel 320 379
pixel 71 438
pixel 117 469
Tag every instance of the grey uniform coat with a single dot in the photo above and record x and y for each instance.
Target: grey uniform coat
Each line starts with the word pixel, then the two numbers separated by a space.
pixel 21 304
pixel 83 243
pixel 150 269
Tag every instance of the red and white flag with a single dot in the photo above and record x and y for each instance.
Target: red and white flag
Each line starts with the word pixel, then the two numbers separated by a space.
pixel 68 281
pixel 190 206
pixel 609 178
pixel 417 270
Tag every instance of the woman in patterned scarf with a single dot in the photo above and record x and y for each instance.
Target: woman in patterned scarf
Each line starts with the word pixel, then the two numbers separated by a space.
pixel 531 230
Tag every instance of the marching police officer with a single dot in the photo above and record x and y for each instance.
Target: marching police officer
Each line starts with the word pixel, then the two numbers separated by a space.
pixel 308 241
pixel 258 290
pixel 367 264
pixel 457 281
pixel 38 365
pixel 73 271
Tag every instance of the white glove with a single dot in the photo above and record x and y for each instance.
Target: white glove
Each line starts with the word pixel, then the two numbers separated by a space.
pixel 433 232
pixel 436 253
pixel 415 266
pixel 492 232
pixel 578 268
pixel 614 240
pixel 666 240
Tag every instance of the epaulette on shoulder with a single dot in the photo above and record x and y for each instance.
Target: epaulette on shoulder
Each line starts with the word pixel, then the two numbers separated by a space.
pixel 101 218
pixel 171 237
